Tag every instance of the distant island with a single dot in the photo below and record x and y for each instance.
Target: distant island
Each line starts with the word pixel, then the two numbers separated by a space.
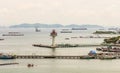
pixel 38 25
pixel 104 32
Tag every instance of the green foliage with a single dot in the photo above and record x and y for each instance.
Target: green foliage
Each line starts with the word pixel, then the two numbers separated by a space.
pixel 104 32
pixel 111 40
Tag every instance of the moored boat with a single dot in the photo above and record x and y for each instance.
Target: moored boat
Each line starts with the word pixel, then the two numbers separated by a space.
pixel 106 56
pixel 1 39
pixel 87 57
pixel 6 56
pixel 91 55
pixel 109 49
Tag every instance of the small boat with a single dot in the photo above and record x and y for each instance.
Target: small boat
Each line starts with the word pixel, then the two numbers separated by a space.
pixel 6 56
pixel 1 39
pixel 37 30
pixel 91 55
pixel 67 38
pixel 87 57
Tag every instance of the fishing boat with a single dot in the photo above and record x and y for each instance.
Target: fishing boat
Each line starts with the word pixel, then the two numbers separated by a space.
pixel 106 56
pixel 6 56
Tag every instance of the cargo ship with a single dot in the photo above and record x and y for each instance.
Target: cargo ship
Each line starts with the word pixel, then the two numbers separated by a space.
pixel 79 28
pixel 13 34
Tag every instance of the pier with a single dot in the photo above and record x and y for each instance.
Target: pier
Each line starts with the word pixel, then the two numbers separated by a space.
pixel 116 56
pixel 45 46
pixel 8 64
pixel 46 57
pixel 73 45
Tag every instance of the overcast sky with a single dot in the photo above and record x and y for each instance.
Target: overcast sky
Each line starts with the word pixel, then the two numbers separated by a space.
pixel 102 12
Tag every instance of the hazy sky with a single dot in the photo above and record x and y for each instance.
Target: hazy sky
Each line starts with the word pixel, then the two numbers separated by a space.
pixel 60 11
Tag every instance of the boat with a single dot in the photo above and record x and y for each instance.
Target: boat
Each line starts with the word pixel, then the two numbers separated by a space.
pixel 67 38
pixel 1 39
pixel 13 34
pixel 66 31
pixel 6 56
pixel 112 28
pixel 106 56
pixel 91 55
pixel 109 49
pixel 37 30
pixel 87 57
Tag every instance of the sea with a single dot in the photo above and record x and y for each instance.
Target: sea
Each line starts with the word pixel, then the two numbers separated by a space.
pixel 22 45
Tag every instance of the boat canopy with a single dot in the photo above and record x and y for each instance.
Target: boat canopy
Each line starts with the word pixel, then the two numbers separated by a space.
pixel 92 52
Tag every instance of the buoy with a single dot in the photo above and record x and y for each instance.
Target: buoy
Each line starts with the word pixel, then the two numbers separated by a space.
pixel 30 65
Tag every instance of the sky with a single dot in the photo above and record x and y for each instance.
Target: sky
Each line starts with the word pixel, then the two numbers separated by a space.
pixel 101 12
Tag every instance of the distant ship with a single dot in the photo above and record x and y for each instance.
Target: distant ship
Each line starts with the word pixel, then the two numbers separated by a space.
pixel 112 28
pixel 13 34
pixel 79 28
pixel 6 56
pixel 66 31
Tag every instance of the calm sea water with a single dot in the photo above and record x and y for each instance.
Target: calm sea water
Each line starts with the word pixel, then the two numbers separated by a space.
pixel 23 45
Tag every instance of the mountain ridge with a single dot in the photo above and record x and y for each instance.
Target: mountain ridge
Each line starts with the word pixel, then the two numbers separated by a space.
pixel 39 25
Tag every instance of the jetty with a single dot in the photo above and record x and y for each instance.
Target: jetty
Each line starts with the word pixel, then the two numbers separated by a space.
pixel 8 64
pixel 96 56
pixel 73 45
pixel 45 57
pixel 45 46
